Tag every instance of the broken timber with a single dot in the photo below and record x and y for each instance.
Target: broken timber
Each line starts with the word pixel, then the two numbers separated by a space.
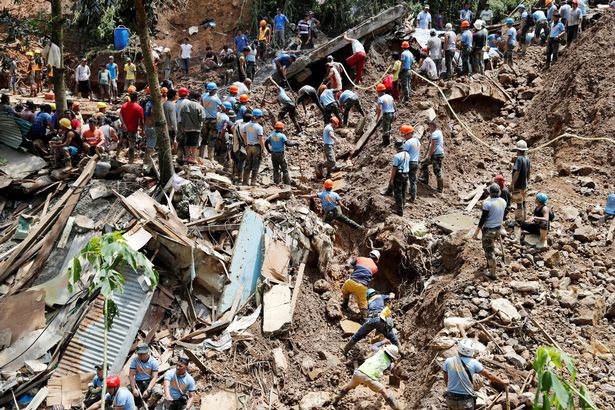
pixel 371 25
pixel 459 91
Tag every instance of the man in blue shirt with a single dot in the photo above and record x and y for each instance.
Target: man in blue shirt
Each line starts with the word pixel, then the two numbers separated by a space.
pixel 525 23
pixel 385 110
pixel 118 397
pixel 252 133
pixel 211 103
pixel 179 387
pixel 540 20
pixel 275 145
pixel 328 104
pixel 348 99
pixel 280 21
pixel 466 48
pixel 112 67
pixel 423 20
pixel 143 373
pixel 434 156
pixel 490 222
pixel 95 388
pixel 413 147
pixel 511 41
pixel 329 140
pixel 281 64
pixel 556 33
pixel 405 75
pixel 241 42
pixel 398 182
pixel 332 205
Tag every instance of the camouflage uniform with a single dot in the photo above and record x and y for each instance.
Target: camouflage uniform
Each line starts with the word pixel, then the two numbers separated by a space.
pixel 387 120
pixel 280 165
pixel 209 135
pixel 414 166
pixel 436 162
pixel 336 215
pixel 400 183
pixel 490 236
pixel 253 162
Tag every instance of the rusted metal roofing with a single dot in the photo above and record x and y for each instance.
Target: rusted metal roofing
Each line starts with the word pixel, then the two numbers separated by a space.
pixel 10 132
pixel 86 348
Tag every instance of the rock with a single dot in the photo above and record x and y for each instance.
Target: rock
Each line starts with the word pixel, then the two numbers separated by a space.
pixel 314 400
pixel 587 182
pixel 261 206
pixel 442 343
pixel 349 327
pixel 582 170
pixel 525 286
pixel 610 307
pixel 513 358
pixel 584 234
pixel 563 170
pixel 590 311
pixel 83 224
pixel 322 286
pixel 568 213
pixel 506 79
pixel 527 94
pixel 333 309
pixel 506 311
pixel 332 360
pixel 429 114
pixel 551 258
pixel 280 364
pixel 567 299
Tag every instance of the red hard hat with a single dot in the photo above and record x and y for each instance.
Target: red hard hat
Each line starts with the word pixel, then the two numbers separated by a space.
pixel 405 44
pixel 113 381
pixel 233 88
pixel 499 178
pixel 425 49
pixel 328 183
pixel 278 125
pixel 381 87
pixel 243 98
pixel 465 23
pixel 183 92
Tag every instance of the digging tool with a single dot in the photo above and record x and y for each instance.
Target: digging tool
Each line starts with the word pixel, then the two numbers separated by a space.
pixel 505 257
pixel 142 399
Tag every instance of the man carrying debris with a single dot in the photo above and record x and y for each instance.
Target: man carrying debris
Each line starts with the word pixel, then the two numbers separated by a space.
pixel 118 397
pixel 328 103
pixel 332 206
pixel 400 167
pixel 379 318
pixel 95 387
pixel 520 179
pixel 252 133
pixel 358 57
pixel 308 93
pixel 362 275
pixel 276 144
pixel 539 222
pixel 211 104
pixel 413 147
pixel 348 99
pixel 179 387
pixel 371 371
pixel 556 31
pixel 434 156
pixel 489 224
pixel 143 373
pixel 405 75
pixel 385 111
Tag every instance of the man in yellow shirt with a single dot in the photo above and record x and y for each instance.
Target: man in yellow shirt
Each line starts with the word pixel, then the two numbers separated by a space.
pixel 130 70
pixel 264 38
pixel 396 69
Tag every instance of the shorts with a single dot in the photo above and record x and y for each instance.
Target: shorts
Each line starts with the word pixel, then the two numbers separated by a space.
pixel 71 150
pixel 150 138
pixel 113 84
pixel 518 195
pixel 358 377
pixel 192 138
pixel 84 86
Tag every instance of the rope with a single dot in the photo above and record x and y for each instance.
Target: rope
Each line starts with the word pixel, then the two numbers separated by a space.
pixel 565 135
pixel 371 87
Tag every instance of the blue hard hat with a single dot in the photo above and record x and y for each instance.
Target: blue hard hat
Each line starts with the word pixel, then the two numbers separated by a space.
pixel 521 6
pixel 370 292
pixel 293 56
pixel 610 205
pixel 211 86
pixel 227 105
pixel 510 21
pixel 542 198
pixel 257 113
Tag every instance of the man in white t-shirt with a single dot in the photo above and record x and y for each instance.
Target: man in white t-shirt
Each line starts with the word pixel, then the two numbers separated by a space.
pixel 186 54
pixel 358 57
pixel 423 20
pixel 428 68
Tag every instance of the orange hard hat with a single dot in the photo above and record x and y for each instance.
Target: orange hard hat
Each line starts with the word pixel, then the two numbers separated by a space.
pixel 164 90
pixel 263 23
pixel 328 184
pixel 465 23
pixel 278 125
pixel 243 98
pixel 233 88
pixel 405 44
pixel 322 88
pixel 406 129
pixel 335 121
pixel 131 89
pixel 147 90
pixel 381 87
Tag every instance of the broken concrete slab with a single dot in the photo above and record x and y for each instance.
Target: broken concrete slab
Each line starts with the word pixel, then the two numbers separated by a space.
pixel 505 310
pixel 35 366
pixel 276 310
pixel 280 364
pixel 482 89
pixel 455 222
pixel 221 400
pixel 349 327
pixel 20 164
pixel 276 261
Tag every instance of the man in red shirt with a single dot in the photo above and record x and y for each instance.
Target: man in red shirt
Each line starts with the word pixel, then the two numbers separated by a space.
pixel 131 116
pixel 93 139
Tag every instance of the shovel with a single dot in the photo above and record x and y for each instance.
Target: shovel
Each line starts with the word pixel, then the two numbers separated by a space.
pixel 505 257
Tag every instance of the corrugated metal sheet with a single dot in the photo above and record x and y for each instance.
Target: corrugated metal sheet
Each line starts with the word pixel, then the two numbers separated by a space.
pixel 86 348
pixel 10 132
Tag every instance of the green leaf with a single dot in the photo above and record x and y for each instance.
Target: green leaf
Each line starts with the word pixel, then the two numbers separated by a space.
pixel 585 400
pixel 570 366
pixel 561 393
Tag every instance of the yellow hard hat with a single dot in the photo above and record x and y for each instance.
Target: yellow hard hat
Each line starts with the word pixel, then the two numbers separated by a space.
pixel 29 54
pixel 53 106
pixel 101 105
pixel 65 122
pixel 37 51
pixel 384 313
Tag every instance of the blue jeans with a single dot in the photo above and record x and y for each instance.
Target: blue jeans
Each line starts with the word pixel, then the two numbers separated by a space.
pixel 381 327
pixel 186 65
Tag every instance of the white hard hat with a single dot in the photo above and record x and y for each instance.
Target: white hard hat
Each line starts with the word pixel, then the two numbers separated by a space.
pixel 448 26
pixel 392 351
pixel 374 254
pixel 466 347
pixel 521 145
pixel 478 24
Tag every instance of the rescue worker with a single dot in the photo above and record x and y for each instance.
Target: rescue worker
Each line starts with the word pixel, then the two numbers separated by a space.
pixel 450 48
pixel 405 75
pixel 264 38
pixel 328 103
pixel 385 111
pixel 190 121
pixel 70 145
pixel 332 205
pixel 308 93
pixel 179 387
pixel 329 140
pixel 211 104
pixel 118 397
pixel 281 64
pixel 287 107
pixel 489 224
pixel 363 272
pixel 459 373
pixel 479 40
pixel 358 57
pixel 143 373
pixel 511 41
pixel 95 387
pixel 556 31
pixel 239 152
pixel 400 167
pixel 371 371
pixel 275 144
pixel 540 221
pixel 525 22
pixel 466 48
pixel 520 179
pixel 348 99
pixel 413 147
pixel 252 133
pixel 242 106
pixel 232 95
pixel 434 156
pixel 379 318
pixel 223 124
pixel 333 78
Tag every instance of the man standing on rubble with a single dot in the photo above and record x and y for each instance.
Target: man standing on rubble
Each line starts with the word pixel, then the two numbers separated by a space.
pixel 348 99
pixel 211 104
pixel 362 275
pixel 253 133
pixel 386 111
pixel 413 147
pixel 557 30
pixel 434 156
pixel 434 44
pixel 276 144
pixel 179 387
pixel 574 20
pixel 466 48
pixel 458 376
pixel 132 118
pixel 511 41
pixel 280 21
pixel 423 19
pixel 143 373
pixel 190 121
pixel 332 206
pixel 405 75
pixel 238 150
pixel 329 140
pixel 450 48
pixel 479 40
pixel 328 103
pixel 358 57
pixel 400 167
pixel 371 371
pixel 489 224
pixel 379 318
pixel 520 179
pixel 118 397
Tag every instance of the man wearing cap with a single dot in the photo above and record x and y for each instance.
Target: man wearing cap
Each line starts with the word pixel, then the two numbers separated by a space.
pixel 400 167
pixel 556 31
pixel 143 372
pixel 413 147
pixel 358 57
pixel 434 156
pixel 372 370
pixel 211 104
pixel 489 224
pixel 540 221
pixel 82 79
pixel 459 374
pixel 179 387
pixel 450 48
pixel 130 72
pixel 276 144
pixel 113 71
pixel 526 22
pixel 332 205
pixel 117 398
pixel 479 40
pixel 511 41
pixel 252 133
pixel 423 19
pixel 95 387
pixel 407 59
pixel 385 110
pixel 348 99
pixel 520 179
pixel 182 93
pixel 434 44
pixel 328 104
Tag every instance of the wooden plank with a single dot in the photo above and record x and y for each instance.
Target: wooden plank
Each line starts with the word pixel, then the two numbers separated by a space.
pixel 297 289
pixel 219 325
pixel 361 142
pixel 218 228
pixel 66 233
pixel 477 195
pixel 197 362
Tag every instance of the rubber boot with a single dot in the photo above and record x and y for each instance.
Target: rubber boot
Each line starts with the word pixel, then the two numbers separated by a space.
pixel 491 269
pixel 543 239
pixel 347 348
pixel 440 185
pixel 517 233
pixel 392 402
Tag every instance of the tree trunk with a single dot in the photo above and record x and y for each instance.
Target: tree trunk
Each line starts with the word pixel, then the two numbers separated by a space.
pixel 57 37
pixel 105 336
pixel 165 158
